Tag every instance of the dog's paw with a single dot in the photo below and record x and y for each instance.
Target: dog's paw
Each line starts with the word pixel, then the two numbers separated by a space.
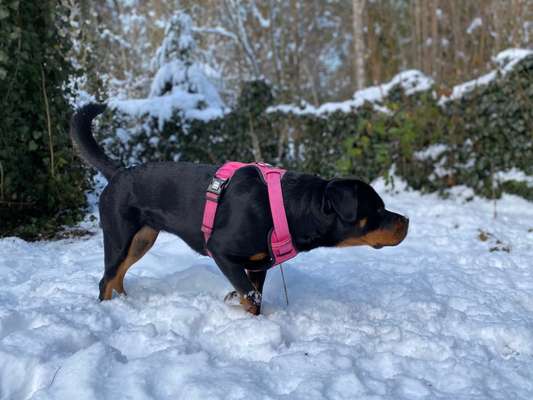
pixel 251 302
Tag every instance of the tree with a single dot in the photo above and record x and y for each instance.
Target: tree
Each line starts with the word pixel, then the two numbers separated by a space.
pixel 177 68
pixel 306 50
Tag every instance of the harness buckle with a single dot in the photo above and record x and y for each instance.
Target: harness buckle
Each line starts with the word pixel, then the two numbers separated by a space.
pixel 282 247
pixel 216 186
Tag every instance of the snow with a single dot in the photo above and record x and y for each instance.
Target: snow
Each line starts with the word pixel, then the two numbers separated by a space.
pixel 218 30
pixel 411 81
pixel 264 22
pixel 431 152
pixel 202 103
pixel 180 83
pixel 476 23
pixel 178 42
pixel 505 60
pixel 448 314
pixel 514 174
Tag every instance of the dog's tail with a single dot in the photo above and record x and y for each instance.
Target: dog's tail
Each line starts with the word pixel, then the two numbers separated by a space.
pixel 82 136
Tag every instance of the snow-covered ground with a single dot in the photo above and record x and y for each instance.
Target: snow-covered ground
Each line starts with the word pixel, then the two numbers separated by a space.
pixel 448 314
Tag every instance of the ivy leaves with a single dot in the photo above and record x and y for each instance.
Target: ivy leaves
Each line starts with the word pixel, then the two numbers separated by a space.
pixel 43 181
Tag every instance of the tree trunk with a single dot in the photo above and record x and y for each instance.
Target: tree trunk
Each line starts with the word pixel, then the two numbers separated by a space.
pixel 434 40
pixel 358 43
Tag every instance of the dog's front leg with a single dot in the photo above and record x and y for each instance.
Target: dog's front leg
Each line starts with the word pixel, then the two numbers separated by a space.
pixel 250 297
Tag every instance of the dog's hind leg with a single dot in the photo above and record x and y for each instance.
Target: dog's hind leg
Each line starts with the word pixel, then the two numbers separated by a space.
pixel 116 267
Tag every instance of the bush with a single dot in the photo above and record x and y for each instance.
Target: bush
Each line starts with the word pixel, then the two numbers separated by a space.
pixel 42 183
pixel 491 130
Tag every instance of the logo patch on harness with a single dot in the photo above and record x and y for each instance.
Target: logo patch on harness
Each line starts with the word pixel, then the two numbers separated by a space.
pixel 216 186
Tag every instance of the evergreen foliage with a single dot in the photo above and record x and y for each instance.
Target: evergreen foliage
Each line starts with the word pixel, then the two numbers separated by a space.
pixel 42 182
pixel 492 131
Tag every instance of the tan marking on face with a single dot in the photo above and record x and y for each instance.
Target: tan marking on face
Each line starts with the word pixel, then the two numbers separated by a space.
pixel 140 244
pixel 353 241
pixel 258 256
pixel 362 223
pixel 378 237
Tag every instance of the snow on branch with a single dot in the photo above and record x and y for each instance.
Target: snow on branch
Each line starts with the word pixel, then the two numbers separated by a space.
pixel 217 30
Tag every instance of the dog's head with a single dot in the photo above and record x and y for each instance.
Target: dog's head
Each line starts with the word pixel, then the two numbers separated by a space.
pixel 362 215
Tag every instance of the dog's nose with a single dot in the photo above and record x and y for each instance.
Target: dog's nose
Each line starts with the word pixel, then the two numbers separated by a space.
pixel 403 224
pixel 403 220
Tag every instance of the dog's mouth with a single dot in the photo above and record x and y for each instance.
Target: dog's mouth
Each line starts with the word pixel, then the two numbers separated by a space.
pixel 392 235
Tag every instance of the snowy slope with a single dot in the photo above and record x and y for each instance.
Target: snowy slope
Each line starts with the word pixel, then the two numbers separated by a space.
pixel 439 317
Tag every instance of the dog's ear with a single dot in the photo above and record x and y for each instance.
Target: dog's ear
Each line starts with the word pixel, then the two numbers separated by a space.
pixel 341 197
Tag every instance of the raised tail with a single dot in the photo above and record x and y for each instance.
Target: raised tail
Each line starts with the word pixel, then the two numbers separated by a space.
pixel 82 136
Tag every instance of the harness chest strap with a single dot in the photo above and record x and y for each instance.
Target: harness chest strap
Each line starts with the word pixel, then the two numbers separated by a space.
pixel 280 240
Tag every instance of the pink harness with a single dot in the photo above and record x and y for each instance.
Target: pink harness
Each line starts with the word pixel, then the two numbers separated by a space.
pixel 281 246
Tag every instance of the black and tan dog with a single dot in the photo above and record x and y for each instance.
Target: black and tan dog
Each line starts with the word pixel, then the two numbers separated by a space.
pixel 140 202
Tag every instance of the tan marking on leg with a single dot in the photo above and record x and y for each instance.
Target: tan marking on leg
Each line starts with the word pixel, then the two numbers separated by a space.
pixel 108 292
pixel 258 256
pixel 140 244
pixel 362 223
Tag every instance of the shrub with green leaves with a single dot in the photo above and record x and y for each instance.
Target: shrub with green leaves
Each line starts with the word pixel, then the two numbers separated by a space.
pixel 491 129
pixel 42 182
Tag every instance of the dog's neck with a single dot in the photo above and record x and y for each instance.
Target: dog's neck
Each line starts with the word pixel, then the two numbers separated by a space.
pixel 310 225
